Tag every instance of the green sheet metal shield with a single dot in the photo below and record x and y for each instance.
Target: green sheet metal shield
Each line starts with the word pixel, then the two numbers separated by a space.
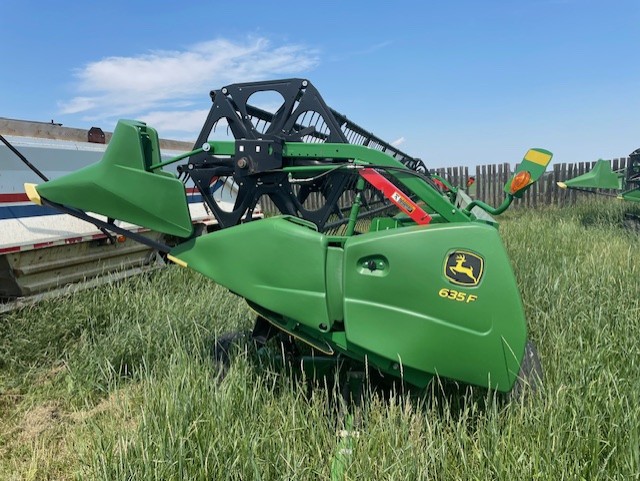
pixel 121 187
pixel 599 177
pixel 367 298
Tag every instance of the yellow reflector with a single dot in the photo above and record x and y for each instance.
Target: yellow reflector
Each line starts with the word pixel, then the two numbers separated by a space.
pixel 520 181
pixel 32 193
pixel 537 157
pixel 177 261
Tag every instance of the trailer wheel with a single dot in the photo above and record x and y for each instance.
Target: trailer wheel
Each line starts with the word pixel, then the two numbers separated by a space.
pixel 530 374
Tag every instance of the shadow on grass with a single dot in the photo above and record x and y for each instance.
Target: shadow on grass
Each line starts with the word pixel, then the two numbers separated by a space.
pixel 348 386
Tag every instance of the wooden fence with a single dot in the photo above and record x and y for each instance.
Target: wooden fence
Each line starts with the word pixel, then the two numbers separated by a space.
pixel 490 180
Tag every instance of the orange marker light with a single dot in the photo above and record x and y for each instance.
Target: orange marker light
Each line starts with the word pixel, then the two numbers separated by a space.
pixel 121 239
pixel 520 181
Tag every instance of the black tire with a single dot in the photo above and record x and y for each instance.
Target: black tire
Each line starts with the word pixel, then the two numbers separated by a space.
pixel 530 375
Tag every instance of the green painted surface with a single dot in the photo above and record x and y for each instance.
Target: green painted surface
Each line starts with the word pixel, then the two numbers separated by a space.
pixel 277 263
pixel 413 301
pixel 599 177
pixel 385 223
pixel 535 167
pixel 390 284
pixel 334 281
pixel 119 186
pixel 631 195
pixel 401 314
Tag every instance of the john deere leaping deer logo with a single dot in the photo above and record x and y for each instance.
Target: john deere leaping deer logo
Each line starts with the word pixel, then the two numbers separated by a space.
pixel 464 268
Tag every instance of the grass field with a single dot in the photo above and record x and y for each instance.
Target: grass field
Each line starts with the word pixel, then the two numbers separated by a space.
pixel 119 382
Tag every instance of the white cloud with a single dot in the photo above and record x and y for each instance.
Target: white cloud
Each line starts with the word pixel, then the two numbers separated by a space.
pixel 398 142
pixel 176 121
pixel 150 85
pixel 78 104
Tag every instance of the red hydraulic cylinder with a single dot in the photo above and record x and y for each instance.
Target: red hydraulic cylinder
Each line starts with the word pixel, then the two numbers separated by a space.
pixel 399 198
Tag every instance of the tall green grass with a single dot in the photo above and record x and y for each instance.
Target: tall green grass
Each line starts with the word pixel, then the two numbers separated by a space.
pixel 124 379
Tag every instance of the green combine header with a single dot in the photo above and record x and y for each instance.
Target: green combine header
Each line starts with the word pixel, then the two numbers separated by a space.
pixel 386 269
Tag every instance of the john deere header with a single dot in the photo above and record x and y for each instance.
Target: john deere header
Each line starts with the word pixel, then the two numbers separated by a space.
pixel 370 260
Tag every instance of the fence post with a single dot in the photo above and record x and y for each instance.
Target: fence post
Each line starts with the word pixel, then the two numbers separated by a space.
pixel 495 183
pixel 494 172
pixel 534 195
pixel 548 186
pixel 466 177
pixel 556 178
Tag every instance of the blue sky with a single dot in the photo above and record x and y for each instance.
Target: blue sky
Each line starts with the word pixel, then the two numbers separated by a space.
pixel 452 82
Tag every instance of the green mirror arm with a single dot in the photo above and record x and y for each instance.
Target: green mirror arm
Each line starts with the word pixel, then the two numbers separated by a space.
pixel 486 207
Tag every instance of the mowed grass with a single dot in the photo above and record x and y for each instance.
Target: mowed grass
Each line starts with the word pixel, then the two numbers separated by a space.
pixel 119 382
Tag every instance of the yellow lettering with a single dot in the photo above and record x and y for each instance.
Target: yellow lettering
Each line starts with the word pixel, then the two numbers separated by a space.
pixel 455 295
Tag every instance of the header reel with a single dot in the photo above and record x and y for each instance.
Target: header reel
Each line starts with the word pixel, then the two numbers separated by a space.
pixel 257 162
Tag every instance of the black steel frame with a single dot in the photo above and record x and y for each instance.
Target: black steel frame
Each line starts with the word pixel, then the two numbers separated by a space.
pixel 303 117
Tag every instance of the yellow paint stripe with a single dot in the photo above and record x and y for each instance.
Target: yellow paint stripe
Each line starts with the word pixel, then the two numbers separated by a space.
pixel 180 262
pixel 32 193
pixel 537 157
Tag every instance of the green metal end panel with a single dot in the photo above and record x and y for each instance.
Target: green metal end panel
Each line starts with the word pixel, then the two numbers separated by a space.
pixel 334 279
pixel 119 186
pixel 277 263
pixel 599 177
pixel 631 195
pixel 441 299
